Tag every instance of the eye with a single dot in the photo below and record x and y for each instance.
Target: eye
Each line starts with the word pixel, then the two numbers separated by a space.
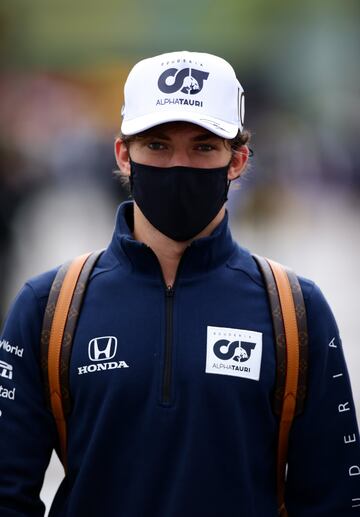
pixel 205 147
pixel 156 146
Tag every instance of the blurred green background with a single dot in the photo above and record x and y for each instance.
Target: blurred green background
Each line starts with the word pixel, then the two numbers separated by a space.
pixel 304 54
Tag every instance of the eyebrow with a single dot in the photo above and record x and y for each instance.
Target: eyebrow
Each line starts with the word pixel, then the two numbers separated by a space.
pixel 205 136
pixel 198 138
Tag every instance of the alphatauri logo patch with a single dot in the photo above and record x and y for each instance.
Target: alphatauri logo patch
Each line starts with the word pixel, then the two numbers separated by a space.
pixel 186 80
pixel 235 352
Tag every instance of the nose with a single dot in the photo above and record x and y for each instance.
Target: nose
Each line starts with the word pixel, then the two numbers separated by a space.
pixel 181 158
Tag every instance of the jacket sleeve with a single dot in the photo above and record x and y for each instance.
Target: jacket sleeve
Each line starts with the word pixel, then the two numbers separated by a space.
pixel 324 452
pixel 27 430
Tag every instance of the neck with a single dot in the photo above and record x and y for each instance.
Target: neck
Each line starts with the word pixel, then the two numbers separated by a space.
pixel 167 251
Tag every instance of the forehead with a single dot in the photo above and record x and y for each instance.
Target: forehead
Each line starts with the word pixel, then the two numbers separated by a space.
pixel 174 129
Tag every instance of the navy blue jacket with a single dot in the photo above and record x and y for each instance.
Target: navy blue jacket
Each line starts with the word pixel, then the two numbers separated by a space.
pixel 172 395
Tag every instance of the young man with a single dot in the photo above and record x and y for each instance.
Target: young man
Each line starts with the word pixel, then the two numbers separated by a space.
pixel 173 362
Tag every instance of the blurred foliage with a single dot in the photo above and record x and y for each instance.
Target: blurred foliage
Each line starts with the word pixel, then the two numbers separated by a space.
pixel 58 34
pixel 297 60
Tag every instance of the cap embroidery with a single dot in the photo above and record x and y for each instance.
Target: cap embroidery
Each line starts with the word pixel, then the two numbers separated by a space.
pixel 187 80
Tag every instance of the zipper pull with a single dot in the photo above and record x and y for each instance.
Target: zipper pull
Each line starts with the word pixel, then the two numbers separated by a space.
pixel 169 290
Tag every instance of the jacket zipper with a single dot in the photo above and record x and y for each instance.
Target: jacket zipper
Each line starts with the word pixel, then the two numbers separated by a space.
pixel 168 357
pixel 166 388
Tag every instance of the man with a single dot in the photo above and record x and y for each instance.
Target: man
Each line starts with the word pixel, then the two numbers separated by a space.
pixel 173 362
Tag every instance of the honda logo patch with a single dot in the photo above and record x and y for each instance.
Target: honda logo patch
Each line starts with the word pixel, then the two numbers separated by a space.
pixel 102 348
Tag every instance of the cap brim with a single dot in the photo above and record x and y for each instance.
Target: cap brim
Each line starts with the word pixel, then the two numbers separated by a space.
pixel 216 126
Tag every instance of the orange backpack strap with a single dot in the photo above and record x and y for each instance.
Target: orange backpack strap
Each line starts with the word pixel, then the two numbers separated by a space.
pixel 60 318
pixel 290 330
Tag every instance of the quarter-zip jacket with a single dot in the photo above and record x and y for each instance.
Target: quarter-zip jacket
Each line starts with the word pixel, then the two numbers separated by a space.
pixel 172 395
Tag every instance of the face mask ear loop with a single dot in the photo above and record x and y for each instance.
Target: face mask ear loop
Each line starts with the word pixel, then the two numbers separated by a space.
pixel 227 184
pixel 131 177
pixel 227 189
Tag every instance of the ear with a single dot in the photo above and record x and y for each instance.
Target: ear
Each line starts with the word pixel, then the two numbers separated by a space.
pixel 238 162
pixel 122 156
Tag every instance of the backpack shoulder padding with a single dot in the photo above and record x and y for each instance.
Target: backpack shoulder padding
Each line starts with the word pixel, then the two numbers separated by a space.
pixel 291 340
pixel 60 318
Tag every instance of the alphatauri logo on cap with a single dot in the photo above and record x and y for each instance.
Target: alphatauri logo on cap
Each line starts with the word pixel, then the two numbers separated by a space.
pixel 186 80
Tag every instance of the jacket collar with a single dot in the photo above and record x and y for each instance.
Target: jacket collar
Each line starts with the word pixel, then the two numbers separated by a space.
pixel 203 254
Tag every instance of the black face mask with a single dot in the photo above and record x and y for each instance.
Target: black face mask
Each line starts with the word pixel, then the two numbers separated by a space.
pixel 179 201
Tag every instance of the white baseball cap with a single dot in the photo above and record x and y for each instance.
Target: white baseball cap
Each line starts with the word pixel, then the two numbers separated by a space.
pixel 183 86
